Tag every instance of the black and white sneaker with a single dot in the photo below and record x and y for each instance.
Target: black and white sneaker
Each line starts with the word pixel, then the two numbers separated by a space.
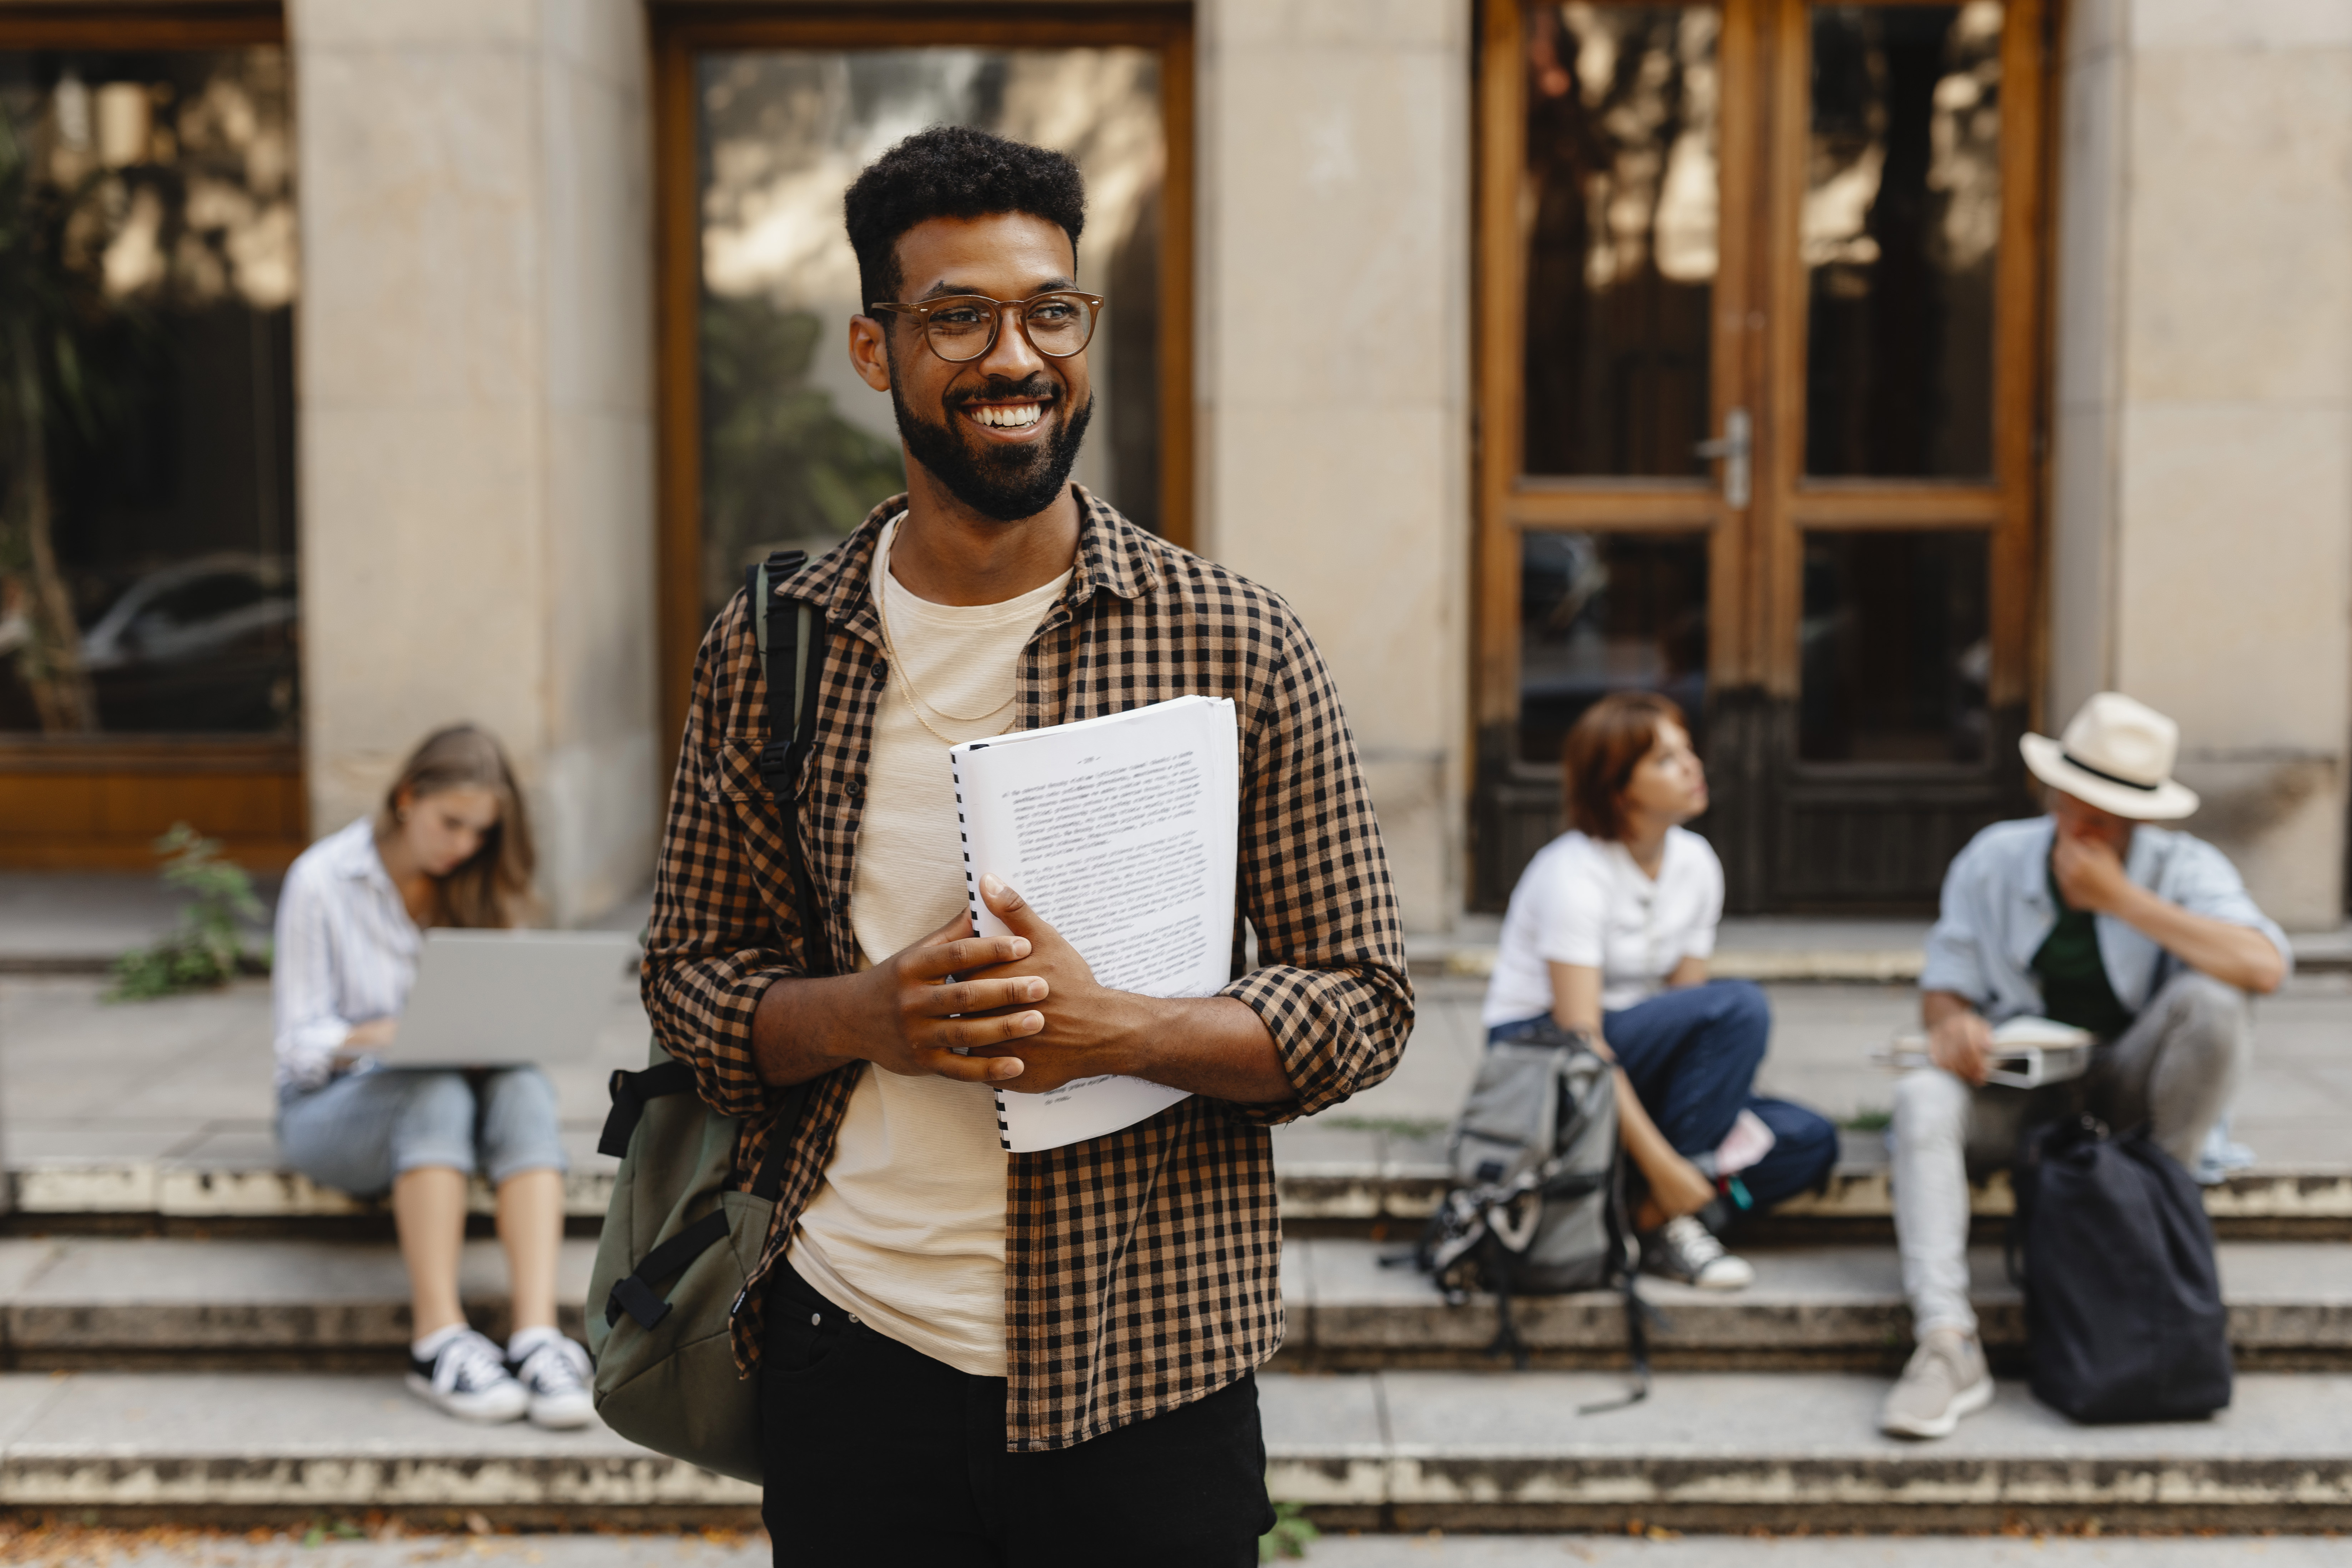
pixel 468 1379
pixel 554 1373
pixel 1687 1250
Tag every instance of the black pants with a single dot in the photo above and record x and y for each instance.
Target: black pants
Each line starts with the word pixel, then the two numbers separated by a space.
pixel 876 1454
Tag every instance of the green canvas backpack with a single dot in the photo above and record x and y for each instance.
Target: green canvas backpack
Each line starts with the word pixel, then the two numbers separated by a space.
pixel 678 1247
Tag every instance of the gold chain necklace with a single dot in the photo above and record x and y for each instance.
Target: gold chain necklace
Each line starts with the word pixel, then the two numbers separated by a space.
pixel 914 700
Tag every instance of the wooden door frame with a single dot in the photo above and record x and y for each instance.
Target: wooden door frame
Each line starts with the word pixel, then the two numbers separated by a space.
pixel 1509 505
pixel 680 30
pixel 1754 559
pixel 139 782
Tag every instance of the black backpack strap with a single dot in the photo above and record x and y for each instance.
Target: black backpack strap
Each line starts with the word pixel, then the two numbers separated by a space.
pixel 1639 1313
pixel 637 1296
pixel 792 637
pixel 792 643
pixel 791 653
pixel 630 1090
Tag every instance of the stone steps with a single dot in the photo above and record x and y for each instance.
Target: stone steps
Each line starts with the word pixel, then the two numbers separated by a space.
pixel 1331 1180
pixel 1733 1451
pixel 1396 1450
pixel 1810 1308
pixel 114 1303
pixel 121 1303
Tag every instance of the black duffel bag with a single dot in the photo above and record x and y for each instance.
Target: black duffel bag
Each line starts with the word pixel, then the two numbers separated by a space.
pixel 2123 1317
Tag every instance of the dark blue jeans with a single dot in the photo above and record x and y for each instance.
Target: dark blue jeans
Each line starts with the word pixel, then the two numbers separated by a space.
pixel 1692 1055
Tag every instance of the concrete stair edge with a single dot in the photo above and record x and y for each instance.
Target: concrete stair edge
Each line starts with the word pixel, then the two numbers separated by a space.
pixel 125 1303
pixel 1404 1188
pixel 1396 1450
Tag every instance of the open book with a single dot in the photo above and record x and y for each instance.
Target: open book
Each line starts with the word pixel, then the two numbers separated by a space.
pixel 1121 832
pixel 2026 1053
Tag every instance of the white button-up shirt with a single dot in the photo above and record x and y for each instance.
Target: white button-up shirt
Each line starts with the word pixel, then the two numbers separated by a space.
pixel 346 951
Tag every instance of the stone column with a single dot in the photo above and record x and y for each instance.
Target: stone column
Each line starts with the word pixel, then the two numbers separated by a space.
pixel 2201 539
pixel 476 410
pixel 1334 373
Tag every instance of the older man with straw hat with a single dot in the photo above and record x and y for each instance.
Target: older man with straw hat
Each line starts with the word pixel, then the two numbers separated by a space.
pixel 2143 935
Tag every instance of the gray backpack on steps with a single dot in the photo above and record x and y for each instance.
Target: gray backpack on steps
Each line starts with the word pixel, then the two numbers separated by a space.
pixel 1537 1205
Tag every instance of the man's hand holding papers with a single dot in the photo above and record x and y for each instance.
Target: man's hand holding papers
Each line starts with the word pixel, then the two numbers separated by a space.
pixel 1206 1045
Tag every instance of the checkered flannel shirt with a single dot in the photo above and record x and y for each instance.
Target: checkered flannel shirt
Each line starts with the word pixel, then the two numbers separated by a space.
pixel 1141 1270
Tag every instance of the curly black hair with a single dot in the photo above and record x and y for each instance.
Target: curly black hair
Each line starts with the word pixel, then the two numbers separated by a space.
pixel 954 171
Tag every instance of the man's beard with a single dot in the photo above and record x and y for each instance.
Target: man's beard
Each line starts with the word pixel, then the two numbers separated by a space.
pixel 1005 482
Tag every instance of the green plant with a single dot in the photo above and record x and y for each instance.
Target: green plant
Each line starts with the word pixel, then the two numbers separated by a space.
pixel 1868 1120
pixel 323 1530
pixel 207 950
pixel 1291 1535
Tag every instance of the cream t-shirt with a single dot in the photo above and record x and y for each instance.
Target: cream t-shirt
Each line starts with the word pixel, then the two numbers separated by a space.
pixel 907 1231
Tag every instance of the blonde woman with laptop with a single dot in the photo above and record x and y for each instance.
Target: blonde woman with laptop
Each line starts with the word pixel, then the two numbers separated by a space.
pixel 450 847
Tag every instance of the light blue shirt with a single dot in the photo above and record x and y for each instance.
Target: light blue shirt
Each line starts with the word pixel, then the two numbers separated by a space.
pixel 1998 911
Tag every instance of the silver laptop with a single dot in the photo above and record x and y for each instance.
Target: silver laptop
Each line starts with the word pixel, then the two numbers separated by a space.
pixel 497 998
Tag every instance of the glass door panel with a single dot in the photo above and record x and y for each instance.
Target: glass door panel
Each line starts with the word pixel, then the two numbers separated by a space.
pixel 1895 647
pixel 147 539
pixel 1607 612
pixel 1623 220
pixel 1900 241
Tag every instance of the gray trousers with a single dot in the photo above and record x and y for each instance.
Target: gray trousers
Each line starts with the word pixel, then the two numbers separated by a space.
pixel 2175 1069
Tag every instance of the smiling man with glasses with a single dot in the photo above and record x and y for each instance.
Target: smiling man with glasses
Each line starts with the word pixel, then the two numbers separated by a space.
pixel 969 1356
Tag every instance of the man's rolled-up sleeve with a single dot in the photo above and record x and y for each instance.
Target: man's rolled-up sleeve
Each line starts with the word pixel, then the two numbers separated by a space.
pixel 714 944
pixel 2207 884
pixel 1314 882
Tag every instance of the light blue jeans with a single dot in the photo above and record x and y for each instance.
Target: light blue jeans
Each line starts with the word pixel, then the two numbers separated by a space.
pixel 361 1132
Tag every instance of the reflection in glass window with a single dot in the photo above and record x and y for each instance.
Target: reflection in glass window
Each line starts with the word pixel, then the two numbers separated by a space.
pixel 1901 230
pixel 1607 612
pixel 147 278
pixel 1620 204
pixel 1895 647
pixel 796 449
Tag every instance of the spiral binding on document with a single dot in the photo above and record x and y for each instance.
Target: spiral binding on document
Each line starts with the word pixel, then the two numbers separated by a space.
pixel 972 893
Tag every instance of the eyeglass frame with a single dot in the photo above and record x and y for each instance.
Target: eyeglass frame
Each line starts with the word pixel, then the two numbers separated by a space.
pixel 921 311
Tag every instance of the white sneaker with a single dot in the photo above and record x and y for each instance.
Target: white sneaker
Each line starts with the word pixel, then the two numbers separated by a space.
pixel 1687 1250
pixel 555 1375
pixel 468 1379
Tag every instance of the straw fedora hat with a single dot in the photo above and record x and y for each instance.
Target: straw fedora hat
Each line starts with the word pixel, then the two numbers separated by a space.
pixel 2116 754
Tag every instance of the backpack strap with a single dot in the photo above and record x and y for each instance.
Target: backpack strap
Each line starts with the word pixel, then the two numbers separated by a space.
pixel 791 657
pixel 630 1090
pixel 791 654
pixel 635 1294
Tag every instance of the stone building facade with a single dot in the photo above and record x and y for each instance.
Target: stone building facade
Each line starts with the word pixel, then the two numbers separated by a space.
pixel 482 355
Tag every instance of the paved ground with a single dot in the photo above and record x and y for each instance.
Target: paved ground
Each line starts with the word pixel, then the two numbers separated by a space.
pixel 191 1549
pixel 81 1079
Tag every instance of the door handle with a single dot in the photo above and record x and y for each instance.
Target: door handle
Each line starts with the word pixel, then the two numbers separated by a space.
pixel 1738 441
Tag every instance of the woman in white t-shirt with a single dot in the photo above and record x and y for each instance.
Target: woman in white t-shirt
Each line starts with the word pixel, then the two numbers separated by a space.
pixel 1609 931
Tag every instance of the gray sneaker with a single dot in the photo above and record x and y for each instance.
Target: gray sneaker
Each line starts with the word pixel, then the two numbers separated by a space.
pixel 1946 1379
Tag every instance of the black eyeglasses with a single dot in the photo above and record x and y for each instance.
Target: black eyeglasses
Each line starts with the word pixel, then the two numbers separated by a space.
pixel 963 327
